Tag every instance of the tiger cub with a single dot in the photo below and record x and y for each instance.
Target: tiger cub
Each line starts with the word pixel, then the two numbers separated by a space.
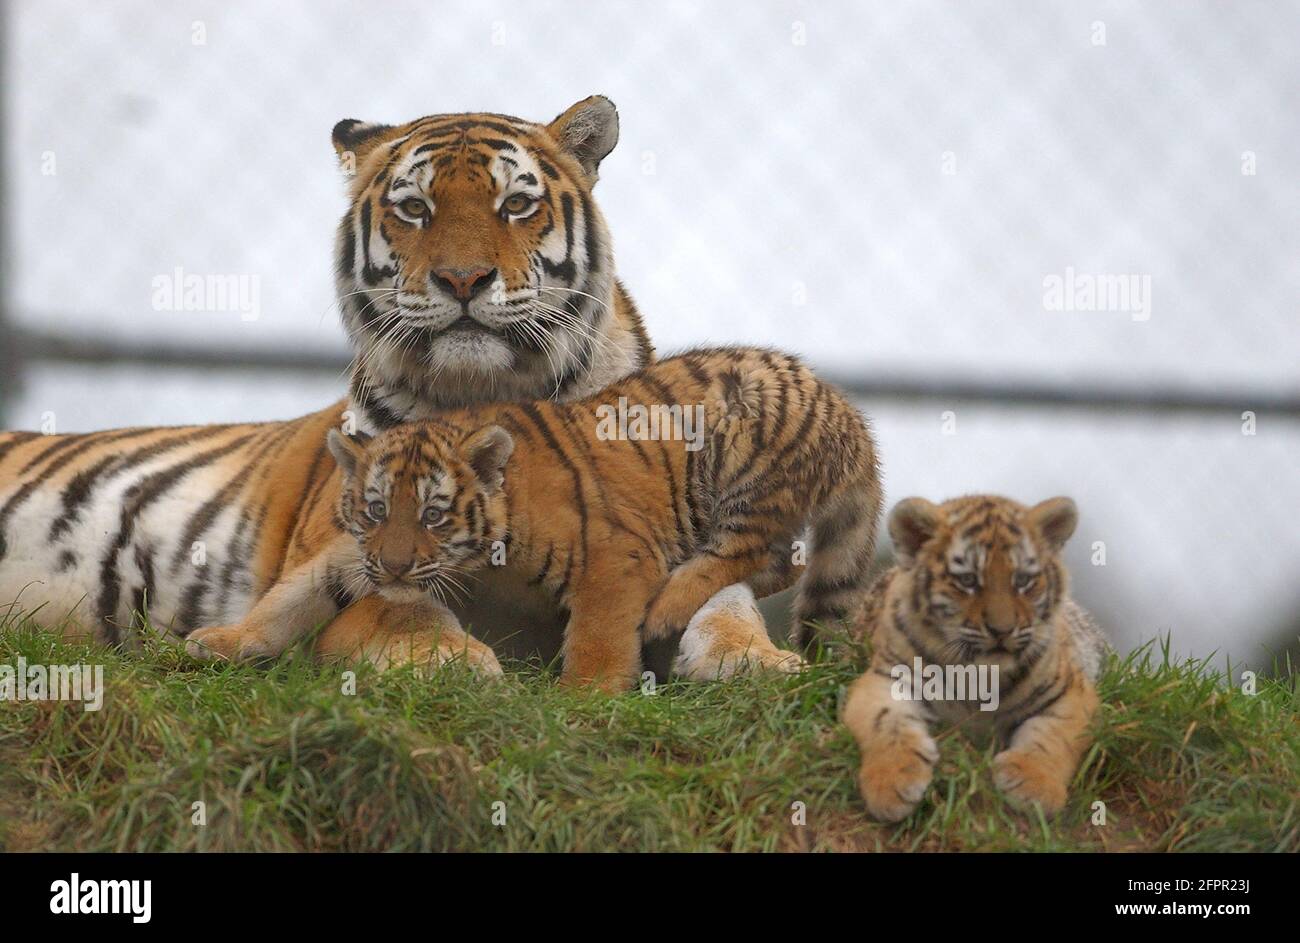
pixel 974 624
pixel 632 507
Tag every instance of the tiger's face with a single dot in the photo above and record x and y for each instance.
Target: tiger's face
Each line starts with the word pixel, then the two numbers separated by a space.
pixel 985 571
pixel 473 247
pixel 425 503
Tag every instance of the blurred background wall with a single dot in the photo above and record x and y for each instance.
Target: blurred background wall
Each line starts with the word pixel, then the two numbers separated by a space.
pixel 917 196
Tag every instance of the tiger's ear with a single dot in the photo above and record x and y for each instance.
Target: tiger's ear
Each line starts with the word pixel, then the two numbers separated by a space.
pixel 588 131
pixel 359 138
pixel 348 451
pixel 487 452
pixel 1056 519
pixel 912 522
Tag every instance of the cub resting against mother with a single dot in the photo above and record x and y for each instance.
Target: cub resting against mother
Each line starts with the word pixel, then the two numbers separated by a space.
pixel 631 529
pixel 472 266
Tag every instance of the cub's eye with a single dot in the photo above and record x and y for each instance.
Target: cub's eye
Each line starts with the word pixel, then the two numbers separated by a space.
pixel 413 206
pixel 376 511
pixel 433 517
pixel 1023 581
pixel 965 580
pixel 519 203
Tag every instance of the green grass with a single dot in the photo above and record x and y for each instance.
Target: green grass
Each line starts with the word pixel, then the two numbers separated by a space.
pixel 284 761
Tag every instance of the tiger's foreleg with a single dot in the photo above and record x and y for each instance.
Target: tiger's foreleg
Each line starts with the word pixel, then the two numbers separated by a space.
pixel 1045 750
pixel 386 634
pixel 602 642
pixel 898 753
pixel 299 602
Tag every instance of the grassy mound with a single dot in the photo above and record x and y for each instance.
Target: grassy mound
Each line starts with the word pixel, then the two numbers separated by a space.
pixel 287 758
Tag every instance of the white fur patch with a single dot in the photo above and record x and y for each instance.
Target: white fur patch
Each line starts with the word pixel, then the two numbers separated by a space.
pixel 707 653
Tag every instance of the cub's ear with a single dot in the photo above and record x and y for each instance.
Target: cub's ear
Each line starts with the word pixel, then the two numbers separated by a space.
pixel 348 451
pixel 487 452
pixel 1056 519
pixel 912 522
pixel 359 138
pixel 588 131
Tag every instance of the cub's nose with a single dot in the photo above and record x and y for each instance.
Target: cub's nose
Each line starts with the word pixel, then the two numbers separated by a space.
pixel 464 284
pixel 396 568
pixel 999 618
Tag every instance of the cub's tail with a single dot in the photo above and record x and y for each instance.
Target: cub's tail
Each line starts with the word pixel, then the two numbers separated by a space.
pixel 843 531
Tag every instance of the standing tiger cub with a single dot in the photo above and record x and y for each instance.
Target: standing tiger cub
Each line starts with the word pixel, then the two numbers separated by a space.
pixel 631 507
pixel 978 601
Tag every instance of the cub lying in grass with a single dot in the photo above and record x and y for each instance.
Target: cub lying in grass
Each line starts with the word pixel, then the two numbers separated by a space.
pixel 631 527
pixel 979 584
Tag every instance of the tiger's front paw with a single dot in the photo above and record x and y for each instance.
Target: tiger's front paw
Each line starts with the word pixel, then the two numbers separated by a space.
pixel 479 658
pixel 727 637
pixel 1030 779
pixel 893 779
pixel 227 643
pixel 604 684
pixel 426 652
pixel 699 661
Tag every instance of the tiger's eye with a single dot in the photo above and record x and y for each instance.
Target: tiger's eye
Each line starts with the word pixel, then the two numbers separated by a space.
pixel 432 517
pixel 965 580
pixel 1023 581
pixel 413 206
pixel 517 204
pixel 376 511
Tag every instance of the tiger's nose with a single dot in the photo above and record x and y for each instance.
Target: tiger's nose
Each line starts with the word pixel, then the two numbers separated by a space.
pixel 464 284
pixel 396 568
pixel 999 618
pixel 999 624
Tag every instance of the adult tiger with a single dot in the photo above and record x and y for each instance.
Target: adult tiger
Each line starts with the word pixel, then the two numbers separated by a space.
pixel 472 265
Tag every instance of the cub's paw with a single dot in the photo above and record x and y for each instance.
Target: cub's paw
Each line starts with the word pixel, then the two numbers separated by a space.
pixel 227 643
pixel 1029 779
pixel 605 684
pixel 426 652
pixel 894 779
pixel 478 657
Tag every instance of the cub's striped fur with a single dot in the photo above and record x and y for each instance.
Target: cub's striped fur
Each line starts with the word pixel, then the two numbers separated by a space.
pixel 979 582
pixel 630 534
pixel 465 298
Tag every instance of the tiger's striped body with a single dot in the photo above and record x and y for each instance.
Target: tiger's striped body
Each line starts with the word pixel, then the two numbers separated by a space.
pixel 192 523
pixel 451 294
pixel 979 585
pixel 630 534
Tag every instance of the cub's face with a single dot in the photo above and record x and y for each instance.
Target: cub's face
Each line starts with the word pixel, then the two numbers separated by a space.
pixel 984 571
pixel 473 244
pixel 425 504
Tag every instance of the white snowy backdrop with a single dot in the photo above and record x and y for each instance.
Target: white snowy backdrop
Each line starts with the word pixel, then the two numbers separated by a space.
pixel 885 188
